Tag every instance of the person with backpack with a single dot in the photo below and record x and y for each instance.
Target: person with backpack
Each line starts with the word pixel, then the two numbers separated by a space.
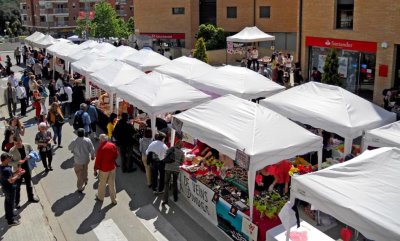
pixel 65 96
pixel 155 158
pixel 173 159
pixel 82 119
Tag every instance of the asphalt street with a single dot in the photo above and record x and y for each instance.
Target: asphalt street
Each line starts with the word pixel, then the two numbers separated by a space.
pixel 65 214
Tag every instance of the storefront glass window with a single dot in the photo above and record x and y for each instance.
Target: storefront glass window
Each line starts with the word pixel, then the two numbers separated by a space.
pixel 357 69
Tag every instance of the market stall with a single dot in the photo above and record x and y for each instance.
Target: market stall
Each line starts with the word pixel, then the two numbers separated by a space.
pixel 104 47
pixel 238 81
pixel 121 52
pixel 330 108
pixel 34 37
pixel 90 64
pixel 44 42
pixel 184 68
pixel 362 193
pixel 89 44
pixel 77 55
pixel 108 79
pixel 157 93
pixel 252 135
pixel 385 136
pixel 146 60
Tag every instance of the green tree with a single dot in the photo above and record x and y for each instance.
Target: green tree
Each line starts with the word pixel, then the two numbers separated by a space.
pixel 200 50
pixel 331 67
pixel 214 37
pixel 131 24
pixel 105 23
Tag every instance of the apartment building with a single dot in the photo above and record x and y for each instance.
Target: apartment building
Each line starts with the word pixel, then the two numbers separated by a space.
pixel 366 35
pixel 59 16
pixel 177 21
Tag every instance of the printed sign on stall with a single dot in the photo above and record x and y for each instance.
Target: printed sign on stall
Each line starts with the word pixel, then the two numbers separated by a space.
pixel 242 159
pixel 199 196
pixel 250 229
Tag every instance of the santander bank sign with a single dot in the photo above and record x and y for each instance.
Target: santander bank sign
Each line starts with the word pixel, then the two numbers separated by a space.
pixel 354 45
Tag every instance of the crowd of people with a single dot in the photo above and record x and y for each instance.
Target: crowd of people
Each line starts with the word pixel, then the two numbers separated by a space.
pixel 55 103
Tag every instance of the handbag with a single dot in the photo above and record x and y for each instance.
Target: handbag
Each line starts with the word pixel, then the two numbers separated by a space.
pixel 170 157
pixel 63 96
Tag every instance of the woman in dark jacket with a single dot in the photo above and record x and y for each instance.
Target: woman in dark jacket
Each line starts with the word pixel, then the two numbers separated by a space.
pixel 78 96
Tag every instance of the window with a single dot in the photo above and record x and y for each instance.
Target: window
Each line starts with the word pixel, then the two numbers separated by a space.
pixel 265 12
pixel 178 10
pixel 42 19
pixel 344 14
pixel 231 12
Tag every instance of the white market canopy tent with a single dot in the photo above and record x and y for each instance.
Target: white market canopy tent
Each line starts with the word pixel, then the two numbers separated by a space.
pixel 57 47
pixel 104 47
pixel 44 42
pixel 185 68
pixel 250 35
pixel 363 193
pixel 121 52
pixel 114 75
pixel 34 37
pixel 330 108
pixel 79 54
pixel 238 81
pixel 74 38
pixel 157 93
pixel 230 123
pixel 385 136
pixel 89 44
pixel 146 60
pixel 91 63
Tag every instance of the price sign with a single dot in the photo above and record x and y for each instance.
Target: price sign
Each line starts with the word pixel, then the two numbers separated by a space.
pixel 177 124
pixel 242 159
pixel 250 229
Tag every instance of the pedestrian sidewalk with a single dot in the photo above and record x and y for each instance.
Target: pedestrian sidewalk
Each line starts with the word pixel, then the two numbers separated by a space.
pixel 34 223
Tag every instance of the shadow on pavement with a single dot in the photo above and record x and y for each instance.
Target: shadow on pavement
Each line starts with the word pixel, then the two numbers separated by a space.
pixel 94 219
pixel 38 177
pixel 67 164
pixel 66 203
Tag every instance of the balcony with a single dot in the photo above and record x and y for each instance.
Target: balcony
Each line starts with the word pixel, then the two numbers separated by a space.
pixel 23 12
pixel 50 1
pixel 120 12
pixel 60 10
pixel 89 1
pixel 120 2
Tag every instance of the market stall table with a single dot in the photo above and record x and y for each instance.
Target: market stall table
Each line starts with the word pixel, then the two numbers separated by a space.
pixel 304 232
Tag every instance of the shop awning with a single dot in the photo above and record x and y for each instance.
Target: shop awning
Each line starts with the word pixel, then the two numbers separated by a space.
pixel 91 63
pixel 184 68
pixel 121 52
pixel 146 60
pixel 331 108
pixel 34 37
pixel 250 35
pixel 238 81
pixel 157 93
pixel 115 75
pixel 363 193
pixel 385 136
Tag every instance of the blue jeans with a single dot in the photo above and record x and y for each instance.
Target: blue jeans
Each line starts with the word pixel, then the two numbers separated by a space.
pixel 57 129
pixel 66 109
pixel 9 202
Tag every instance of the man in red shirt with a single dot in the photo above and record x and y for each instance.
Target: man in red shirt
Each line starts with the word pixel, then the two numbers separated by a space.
pixel 280 171
pixel 105 164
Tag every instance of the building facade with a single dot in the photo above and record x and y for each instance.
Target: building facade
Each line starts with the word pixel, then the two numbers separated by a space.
pixel 164 19
pixel 366 35
pixel 59 16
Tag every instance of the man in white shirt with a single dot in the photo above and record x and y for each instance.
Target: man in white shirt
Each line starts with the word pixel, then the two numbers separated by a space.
pixel 254 58
pixel 66 104
pixel 21 96
pixel 12 80
pixel 157 150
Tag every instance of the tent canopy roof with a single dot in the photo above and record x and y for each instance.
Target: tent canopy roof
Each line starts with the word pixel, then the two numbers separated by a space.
pixel 229 123
pixel 363 193
pixel 121 52
pixel 44 42
pixel 152 94
pixel 238 81
pixel 76 55
pixel 57 47
pixel 250 35
pixel 35 36
pixel 146 60
pixel 116 74
pixel 89 44
pixel 388 135
pixel 184 68
pixel 329 107
pixel 104 47
pixel 91 63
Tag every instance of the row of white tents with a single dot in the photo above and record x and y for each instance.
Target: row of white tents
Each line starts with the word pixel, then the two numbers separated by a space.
pixel 264 132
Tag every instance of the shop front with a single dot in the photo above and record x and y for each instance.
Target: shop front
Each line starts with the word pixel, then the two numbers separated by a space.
pixel 167 39
pixel 357 62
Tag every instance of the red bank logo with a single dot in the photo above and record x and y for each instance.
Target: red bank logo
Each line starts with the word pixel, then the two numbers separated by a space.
pixel 328 43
